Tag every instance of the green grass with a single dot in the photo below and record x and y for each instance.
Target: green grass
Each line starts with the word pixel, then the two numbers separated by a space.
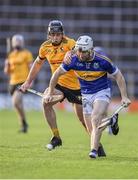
pixel 24 155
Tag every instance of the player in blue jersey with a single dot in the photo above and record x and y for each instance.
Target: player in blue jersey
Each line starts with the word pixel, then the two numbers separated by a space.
pixel 92 69
pixel 114 127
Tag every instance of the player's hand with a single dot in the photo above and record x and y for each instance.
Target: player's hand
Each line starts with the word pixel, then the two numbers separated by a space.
pixel 126 101
pixel 68 56
pixel 25 86
pixel 7 62
pixel 47 98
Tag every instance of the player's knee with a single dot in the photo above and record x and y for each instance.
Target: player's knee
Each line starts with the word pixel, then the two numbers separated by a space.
pixel 96 118
pixel 46 105
pixel 15 102
pixel 80 117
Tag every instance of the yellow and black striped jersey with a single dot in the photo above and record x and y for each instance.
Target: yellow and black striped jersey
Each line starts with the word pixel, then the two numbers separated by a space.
pixel 55 55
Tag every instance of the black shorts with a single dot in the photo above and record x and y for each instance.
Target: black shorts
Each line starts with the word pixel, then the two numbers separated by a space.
pixel 13 88
pixel 73 96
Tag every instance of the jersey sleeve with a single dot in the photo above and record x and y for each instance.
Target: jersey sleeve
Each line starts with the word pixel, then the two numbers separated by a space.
pixel 66 67
pixel 110 67
pixel 42 52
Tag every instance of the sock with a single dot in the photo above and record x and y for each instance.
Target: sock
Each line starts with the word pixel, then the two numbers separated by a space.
pixel 24 123
pixel 55 132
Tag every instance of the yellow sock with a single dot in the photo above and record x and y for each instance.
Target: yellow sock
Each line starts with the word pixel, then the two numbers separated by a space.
pixel 55 132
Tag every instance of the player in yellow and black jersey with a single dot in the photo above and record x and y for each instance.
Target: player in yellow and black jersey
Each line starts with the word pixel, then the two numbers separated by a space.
pixel 53 50
pixel 54 54
pixel 17 66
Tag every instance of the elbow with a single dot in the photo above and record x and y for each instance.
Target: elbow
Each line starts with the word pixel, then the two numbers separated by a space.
pixel 119 77
pixel 6 71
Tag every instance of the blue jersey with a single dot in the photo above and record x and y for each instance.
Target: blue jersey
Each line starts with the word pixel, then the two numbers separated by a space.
pixel 101 50
pixel 92 75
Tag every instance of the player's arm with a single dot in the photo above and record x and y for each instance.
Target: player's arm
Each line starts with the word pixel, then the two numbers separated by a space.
pixel 7 67
pixel 122 87
pixel 54 79
pixel 35 69
pixel 32 74
pixel 68 56
pixel 116 73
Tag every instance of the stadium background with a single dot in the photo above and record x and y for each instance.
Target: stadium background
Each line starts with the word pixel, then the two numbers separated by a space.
pixel 113 24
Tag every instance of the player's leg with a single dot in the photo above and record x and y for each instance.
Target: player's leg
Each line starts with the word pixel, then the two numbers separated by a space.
pixel 87 119
pixel 50 116
pixel 79 112
pixel 74 97
pixel 87 110
pixel 17 100
pixel 99 111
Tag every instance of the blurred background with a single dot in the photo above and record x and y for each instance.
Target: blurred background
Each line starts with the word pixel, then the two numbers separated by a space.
pixel 113 25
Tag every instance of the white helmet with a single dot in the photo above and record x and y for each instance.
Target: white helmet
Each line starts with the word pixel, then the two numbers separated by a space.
pixel 84 43
pixel 17 40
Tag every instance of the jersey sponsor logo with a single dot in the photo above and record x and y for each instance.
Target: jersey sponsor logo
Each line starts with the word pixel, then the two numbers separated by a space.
pixel 79 64
pixel 48 50
pixel 88 65
pixel 96 65
pixel 62 49
pixel 59 50
pixel 79 98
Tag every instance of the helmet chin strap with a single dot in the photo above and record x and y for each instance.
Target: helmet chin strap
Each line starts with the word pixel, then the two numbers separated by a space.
pixel 18 48
pixel 57 44
pixel 54 44
pixel 92 53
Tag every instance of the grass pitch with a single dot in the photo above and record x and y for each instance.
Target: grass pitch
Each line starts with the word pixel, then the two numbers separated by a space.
pixel 24 155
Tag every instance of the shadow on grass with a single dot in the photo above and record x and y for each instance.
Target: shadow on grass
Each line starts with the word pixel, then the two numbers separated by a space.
pixel 122 159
